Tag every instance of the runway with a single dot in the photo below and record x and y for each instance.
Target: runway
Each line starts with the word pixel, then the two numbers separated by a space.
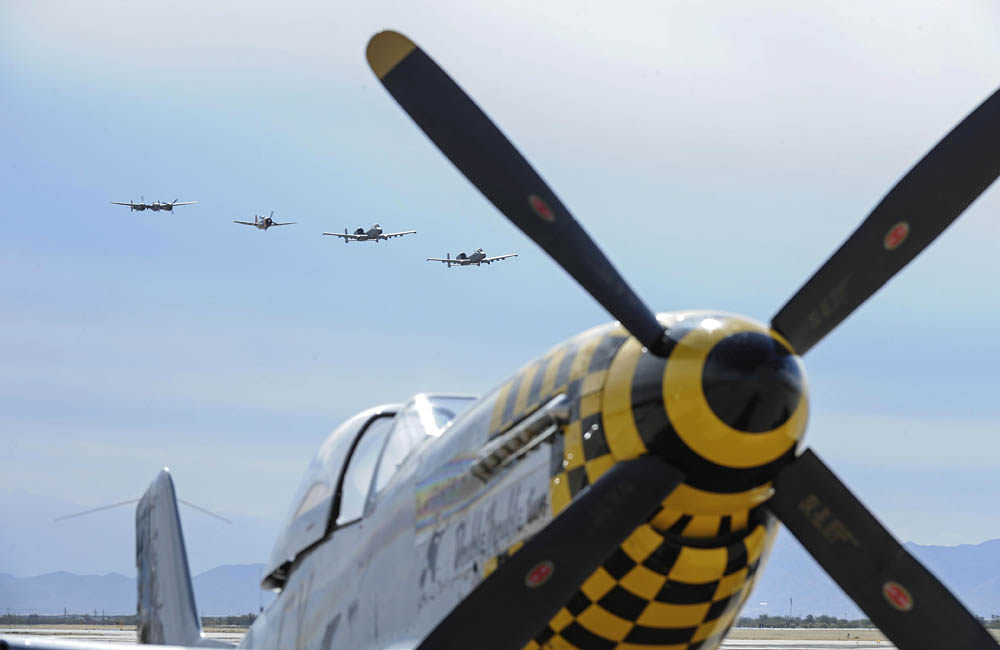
pixel 127 635
pixel 105 634
pixel 794 644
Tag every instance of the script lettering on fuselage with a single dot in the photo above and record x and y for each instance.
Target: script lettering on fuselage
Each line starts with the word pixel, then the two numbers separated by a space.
pixel 455 545
pixel 488 533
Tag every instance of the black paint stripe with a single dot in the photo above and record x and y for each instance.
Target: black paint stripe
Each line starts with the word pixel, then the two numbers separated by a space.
pixel 663 558
pixel 718 608
pixel 618 564
pixel 605 352
pixel 684 593
pixel 679 525
pixel 562 375
pixel 592 436
pixel 534 391
pixel 736 557
pixel 584 639
pixel 508 409
pixel 659 635
pixel 577 478
pixel 725 525
pixel 623 603
pixel 545 635
pixel 578 603
pixel 573 390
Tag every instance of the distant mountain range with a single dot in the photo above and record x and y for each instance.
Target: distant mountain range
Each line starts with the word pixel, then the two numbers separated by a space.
pixel 971 571
pixel 224 590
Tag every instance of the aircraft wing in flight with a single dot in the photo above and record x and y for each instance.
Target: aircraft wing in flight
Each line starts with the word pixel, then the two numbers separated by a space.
pixel 398 234
pixel 343 235
pixel 245 223
pixel 490 260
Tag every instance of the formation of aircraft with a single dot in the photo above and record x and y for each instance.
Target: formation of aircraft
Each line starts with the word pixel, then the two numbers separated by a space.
pixel 155 206
pixel 478 257
pixel 621 491
pixel 374 234
pixel 263 223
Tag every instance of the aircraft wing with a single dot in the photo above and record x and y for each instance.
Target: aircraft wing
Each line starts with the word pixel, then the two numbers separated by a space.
pixel 441 259
pixel 28 642
pixel 120 203
pixel 490 260
pixel 184 203
pixel 399 234
pixel 286 223
pixel 247 223
pixel 342 235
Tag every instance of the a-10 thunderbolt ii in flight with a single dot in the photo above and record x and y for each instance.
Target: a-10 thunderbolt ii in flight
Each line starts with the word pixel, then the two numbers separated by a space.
pixel 478 257
pixel 374 234
pixel 620 492
pixel 155 206
pixel 263 223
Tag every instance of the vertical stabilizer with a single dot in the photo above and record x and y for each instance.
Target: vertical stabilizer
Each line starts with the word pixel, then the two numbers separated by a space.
pixel 167 611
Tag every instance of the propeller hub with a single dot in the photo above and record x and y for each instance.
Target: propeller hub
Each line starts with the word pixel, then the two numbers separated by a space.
pixel 752 382
pixel 725 402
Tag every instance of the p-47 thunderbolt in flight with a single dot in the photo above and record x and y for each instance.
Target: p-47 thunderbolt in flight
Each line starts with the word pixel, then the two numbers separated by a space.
pixel 263 223
pixel 372 234
pixel 155 206
pixel 478 258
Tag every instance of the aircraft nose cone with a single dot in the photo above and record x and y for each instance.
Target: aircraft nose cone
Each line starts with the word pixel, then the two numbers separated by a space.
pixel 751 382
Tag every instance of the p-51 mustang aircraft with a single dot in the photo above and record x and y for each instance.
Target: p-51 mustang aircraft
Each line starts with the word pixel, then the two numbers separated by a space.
pixel 619 492
pixel 155 206
pixel 478 258
pixel 372 234
pixel 263 223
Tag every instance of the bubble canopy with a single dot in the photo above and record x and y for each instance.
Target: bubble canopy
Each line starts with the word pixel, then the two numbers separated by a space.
pixel 372 445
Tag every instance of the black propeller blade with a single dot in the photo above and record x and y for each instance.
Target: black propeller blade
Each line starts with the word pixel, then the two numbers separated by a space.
pixel 897 593
pixel 517 600
pixel 479 150
pixel 925 202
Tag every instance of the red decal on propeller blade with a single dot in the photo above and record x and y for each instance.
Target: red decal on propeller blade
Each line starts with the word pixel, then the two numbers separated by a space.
pixel 896 236
pixel 541 208
pixel 898 596
pixel 540 574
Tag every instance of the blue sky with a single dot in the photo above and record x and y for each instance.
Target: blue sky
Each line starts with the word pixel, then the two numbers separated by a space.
pixel 718 152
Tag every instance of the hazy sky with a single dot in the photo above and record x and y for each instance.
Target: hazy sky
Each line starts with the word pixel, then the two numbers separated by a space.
pixel 717 151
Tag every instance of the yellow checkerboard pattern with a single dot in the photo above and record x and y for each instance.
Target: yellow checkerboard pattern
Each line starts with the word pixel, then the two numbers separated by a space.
pixel 655 592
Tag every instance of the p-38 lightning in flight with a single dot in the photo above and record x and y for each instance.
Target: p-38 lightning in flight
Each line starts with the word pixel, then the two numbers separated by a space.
pixel 263 223
pixel 374 234
pixel 478 258
pixel 155 206
pixel 619 492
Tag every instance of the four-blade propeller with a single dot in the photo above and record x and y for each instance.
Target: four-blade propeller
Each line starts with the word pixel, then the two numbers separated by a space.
pixel 907 603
